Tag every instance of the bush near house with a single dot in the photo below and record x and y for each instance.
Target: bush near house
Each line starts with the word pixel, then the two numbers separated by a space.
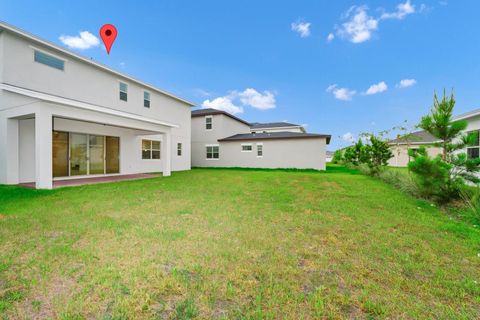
pixel 442 177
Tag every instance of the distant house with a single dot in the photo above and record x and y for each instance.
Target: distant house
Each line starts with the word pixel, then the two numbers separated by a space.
pixel 257 127
pixel 401 145
pixel 415 140
pixel 220 139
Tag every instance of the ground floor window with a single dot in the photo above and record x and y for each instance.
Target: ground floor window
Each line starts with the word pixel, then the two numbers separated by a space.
pixel 179 149
pixel 150 149
pixel 259 150
pixel 213 152
pixel 246 148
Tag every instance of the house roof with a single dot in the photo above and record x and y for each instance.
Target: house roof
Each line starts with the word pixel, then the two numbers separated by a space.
pixel 275 135
pixel 29 36
pixel 257 125
pixel 419 137
pixel 467 115
pixel 211 112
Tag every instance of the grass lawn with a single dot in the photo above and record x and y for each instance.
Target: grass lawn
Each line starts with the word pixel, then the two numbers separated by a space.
pixel 216 243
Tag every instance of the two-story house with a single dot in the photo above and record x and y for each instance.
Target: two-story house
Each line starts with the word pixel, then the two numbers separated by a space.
pixel 220 139
pixel 63 116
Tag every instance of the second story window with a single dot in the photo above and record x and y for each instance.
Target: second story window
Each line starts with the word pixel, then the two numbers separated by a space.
pixel 123 91
pixel 48 60
pixel 146 99
pixel 179 149
pixel 208 123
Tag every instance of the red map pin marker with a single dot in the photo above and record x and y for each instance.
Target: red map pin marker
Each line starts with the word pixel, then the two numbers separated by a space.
pixel 108 33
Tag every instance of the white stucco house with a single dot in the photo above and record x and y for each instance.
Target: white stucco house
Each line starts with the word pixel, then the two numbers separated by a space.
pixel 63 116
pixel 220 139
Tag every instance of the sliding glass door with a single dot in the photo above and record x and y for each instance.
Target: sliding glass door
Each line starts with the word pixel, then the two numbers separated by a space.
pixel 112 155
pixel 96 154
pixel 60 154
pixel 77 154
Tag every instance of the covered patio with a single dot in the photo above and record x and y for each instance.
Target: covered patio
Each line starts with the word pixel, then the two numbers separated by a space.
pixel 95 180
pixel 28 138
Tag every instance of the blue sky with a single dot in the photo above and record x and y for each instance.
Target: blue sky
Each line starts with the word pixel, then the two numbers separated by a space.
pixel 274 61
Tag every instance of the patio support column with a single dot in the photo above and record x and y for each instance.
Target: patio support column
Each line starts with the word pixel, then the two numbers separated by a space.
pixel 8 150
pixel 167 153
pixel 43 150
pixel 12 151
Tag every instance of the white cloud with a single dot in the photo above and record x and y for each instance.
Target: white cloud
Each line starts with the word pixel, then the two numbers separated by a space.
pixel 257 100
pixel 359 26
pixel 235 101
pixel 202 93
pixel 405 83
pixel 341 93
pixel 85 40
pixel 403 10
pixel 222 103
pixel 377 88
pixel 443 3
pixel 122 64
pixel 302 28
pixel 330 37
pixel 348 137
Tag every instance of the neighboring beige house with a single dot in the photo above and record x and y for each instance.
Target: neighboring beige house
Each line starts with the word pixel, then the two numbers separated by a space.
pixel 220 139
pixel 401 145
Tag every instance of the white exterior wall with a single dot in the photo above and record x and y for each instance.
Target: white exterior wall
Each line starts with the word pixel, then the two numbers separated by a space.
pixel 277 153
pixel 222 127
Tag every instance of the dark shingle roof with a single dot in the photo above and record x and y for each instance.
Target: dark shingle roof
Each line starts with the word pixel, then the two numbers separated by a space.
pixel 275 135
pixel 415 137
pixel 211 112
pixel 257 125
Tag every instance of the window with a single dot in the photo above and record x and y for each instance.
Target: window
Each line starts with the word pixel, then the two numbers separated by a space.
pixel 213 152
pixel 473 151
pixel 179 149
pixel 246 148
pixel 146 99
pixel 123 91
pixel 259 150
pixel 208 123
pixel 150 149
pixel 48 60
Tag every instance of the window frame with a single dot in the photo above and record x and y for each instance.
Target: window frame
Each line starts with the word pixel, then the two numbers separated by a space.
pixel 212 152
pixel 151 149
pixel 48 54
pixel 179 149
pixel 260 145
pixel 247 145
pixel 206 123
pixel 145 104
pixel 120 91
pixel 477 147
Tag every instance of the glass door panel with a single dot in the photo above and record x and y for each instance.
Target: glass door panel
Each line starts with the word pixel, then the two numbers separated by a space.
pixel 78 154
pixel 60 154
pixel 97 154
pixel 112 154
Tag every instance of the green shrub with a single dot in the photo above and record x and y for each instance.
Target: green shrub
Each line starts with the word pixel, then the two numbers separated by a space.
pixel 442 177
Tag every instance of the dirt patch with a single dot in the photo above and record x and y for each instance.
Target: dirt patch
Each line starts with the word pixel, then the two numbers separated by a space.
pixel 41 305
